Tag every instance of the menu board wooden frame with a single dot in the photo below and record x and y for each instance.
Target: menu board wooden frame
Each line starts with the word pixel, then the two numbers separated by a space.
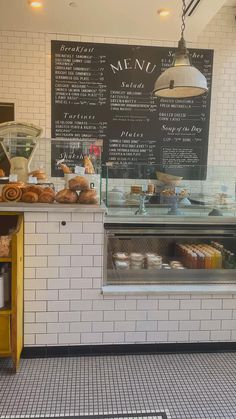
pixel 104 91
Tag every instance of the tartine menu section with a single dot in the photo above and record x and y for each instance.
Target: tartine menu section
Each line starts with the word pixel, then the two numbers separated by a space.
pixel 104 91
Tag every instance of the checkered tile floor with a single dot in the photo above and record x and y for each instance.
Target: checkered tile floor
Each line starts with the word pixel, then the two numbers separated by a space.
pixel 184 386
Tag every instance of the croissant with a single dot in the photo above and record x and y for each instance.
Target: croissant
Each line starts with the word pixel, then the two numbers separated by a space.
pixel 64 168
pixel 11 192
pixel 30 197
pixel 34 188
pixel 2 173
pixel 89 169
pixel 49 191
pixel 46 197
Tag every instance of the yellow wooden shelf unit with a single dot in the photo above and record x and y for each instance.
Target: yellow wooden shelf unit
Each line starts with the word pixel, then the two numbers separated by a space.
pixel 11 315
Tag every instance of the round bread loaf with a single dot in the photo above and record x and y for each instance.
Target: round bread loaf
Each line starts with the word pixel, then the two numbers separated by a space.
pixel 66 196
pixel 79 183
pixel 39 174
pixel 88 197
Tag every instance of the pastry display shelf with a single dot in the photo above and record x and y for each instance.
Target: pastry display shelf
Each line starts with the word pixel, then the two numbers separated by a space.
pixel 7 207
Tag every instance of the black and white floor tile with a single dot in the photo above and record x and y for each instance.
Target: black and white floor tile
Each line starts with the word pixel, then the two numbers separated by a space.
pixel 179 386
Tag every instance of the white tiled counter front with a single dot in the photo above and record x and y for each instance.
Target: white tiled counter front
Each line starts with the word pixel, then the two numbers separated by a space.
pixel 64 303
pixel 63 275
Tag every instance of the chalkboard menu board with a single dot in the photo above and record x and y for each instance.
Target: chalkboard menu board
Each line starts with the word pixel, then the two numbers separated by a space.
pixel 104 91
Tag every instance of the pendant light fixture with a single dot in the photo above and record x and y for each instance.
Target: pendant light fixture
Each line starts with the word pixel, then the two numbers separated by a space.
pixel 181 79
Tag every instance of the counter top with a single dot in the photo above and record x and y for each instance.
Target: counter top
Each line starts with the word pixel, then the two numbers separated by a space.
pixel 156 215
pixel 55 207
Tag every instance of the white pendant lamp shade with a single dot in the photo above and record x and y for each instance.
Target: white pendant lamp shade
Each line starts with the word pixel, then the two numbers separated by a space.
pixel 180 81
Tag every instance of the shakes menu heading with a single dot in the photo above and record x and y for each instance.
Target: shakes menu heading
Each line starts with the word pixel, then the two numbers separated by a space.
pixel 104 91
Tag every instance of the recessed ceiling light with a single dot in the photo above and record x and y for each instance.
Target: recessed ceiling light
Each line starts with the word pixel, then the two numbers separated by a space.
pixel 163 12
pixel 73 4
pixel 35 3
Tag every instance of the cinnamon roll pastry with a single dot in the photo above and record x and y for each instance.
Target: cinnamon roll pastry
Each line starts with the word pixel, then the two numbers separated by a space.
pixel 11 193
pixel 30 197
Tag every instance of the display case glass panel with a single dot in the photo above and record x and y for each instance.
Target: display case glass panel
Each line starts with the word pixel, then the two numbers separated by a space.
pixel 154 191
pixel 52 162
pixel 169 254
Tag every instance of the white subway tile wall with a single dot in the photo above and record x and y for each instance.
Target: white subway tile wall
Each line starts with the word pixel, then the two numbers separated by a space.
pixel 64 304
pixel 63 300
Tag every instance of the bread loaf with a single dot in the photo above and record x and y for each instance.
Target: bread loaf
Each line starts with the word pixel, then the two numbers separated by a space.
pixel 66 196
pixel 39 174
pixel 79 183
pixel 88 197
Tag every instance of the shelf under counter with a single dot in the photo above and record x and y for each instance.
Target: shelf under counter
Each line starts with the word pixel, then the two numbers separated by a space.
pixel 169 242
pixel 168 289
pixel 161 276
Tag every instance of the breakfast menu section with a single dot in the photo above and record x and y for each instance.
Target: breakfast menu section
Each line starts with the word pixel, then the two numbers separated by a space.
pixel 104 91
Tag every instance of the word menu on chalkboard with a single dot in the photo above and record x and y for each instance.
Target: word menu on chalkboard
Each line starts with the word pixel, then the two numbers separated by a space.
pixel 104 91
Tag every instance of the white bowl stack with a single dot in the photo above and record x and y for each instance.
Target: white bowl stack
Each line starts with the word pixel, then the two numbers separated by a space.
pixel 136 260
pixel 154 261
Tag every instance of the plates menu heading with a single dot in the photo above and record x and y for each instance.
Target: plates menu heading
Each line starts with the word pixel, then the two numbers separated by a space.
pixel 104 91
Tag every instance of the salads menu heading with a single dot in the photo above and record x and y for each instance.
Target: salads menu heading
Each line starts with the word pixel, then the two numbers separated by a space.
pixel 104 91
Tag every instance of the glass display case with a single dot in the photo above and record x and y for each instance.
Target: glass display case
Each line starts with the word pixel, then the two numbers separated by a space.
pixel 163 228
pixel 169 254
pixel 51 162
pixel 153 191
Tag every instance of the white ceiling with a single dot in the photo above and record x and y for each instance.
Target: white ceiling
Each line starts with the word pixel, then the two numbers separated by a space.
pixel 109 18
